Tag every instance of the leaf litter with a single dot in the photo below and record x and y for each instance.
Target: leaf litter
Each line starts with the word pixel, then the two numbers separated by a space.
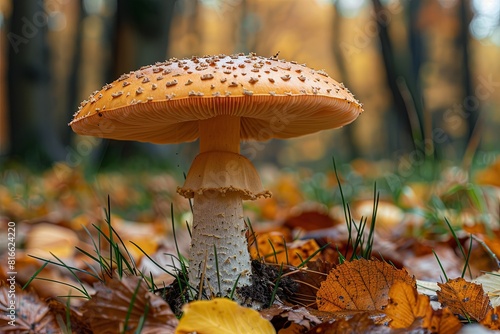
pixel 320 283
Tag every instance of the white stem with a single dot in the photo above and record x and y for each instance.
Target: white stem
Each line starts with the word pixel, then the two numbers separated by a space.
pixel 218 225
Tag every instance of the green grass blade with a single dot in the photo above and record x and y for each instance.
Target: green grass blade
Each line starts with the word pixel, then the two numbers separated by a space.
pixel 440 266
pixel 312 255
pixel 35 275
pixel 254 236
pixel 276 285
pixel 108 221
pixel 274 250
pixel 82 290
pixel 142 319
pixel 130 307
pixel 217 268
pixel 234 287
pixel 455 237
pixel 466 264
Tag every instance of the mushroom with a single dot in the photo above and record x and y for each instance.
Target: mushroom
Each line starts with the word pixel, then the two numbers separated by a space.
pixel 221 100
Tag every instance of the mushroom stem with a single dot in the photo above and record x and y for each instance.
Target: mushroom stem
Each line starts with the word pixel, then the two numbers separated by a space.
pixel 218 224
pixel 221 133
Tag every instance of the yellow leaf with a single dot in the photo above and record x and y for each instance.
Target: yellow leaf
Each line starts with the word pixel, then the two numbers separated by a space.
pixel 219 316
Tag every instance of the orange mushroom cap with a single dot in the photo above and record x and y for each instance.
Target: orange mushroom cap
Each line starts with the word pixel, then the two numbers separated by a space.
pixel 163 103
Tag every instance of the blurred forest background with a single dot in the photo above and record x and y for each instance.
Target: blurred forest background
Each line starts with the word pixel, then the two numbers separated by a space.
pixel 427 72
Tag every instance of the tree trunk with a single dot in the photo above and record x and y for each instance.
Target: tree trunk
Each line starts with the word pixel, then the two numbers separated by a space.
pixel 33 139
pixel 471 113
pixel 400 131
pixel 339 58
pixel 141 37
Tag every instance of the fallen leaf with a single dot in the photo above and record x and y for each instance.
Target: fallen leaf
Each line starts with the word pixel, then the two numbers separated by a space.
pixel 492 319
pixel 425 267
pixel 78 323
pixel 118 300
pixel 359 285
pixel 465 298
pixel 389 216
pixel 29 314
pixel 309 220
pixel 44 239
pixel 359 323
pixel 219 316
pixel 490 175
pixel 405 305
pixel 273 248
pixel 308 281
pixel 292 328
pixel 281 316
pixel 441 321
pixel 491 285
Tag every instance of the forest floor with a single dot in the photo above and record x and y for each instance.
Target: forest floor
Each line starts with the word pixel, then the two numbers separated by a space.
pixel 350 250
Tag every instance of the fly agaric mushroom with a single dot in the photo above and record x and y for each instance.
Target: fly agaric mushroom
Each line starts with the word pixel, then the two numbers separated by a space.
pixel 221 100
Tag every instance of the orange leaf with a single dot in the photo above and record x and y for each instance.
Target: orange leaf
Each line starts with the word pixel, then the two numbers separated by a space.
pixel 490 175
pixel 441 321
pixel 405 305
pixel 273 248
pixel 109 307
pixel 492 319
pixel 408 309
pixel 359 285
pixel 464 298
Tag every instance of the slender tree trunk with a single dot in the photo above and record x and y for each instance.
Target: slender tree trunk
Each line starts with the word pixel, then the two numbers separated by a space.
pixel 337 52
pixel 400 127
pixel 463 40
pixel 141 37
pixel 72 84
pixel 418 57
pixel 33 139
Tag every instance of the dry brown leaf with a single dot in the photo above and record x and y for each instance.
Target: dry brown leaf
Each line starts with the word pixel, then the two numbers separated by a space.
pixel 108 308
pixel 309 221
pixel 359 285
pixel 492 319
pixel 292 328
pixel 79 324
pixel 441 321
pixel 359 323
pixel 31 315
pixel 405 305
pixel 282 316
pixel 465 298
pixel 308 280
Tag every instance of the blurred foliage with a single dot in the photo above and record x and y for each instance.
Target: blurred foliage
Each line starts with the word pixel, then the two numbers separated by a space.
pixel 92 42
